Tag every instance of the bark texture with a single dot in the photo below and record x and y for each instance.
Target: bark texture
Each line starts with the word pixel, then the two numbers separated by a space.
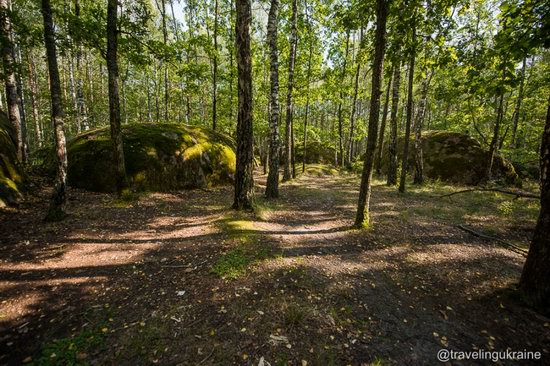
pixel 418 123
pixel 405 161
pixel 493 146
pixel 382 132
pixel 392 147
pixel 8 61
pixel 517 108
pixel 535 278
pixel 287 173
pixel 362 217
pixel 244 180
pixel 56 210
pixel 272 187
pixel 114 99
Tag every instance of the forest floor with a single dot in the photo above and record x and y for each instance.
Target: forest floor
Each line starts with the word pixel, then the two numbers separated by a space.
pixel 180 278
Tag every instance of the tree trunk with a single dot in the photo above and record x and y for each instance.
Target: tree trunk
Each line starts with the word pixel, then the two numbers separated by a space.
pixel 244 179
pixel 34 95
pixel 383 129
pixel 535 278
pixel 81 104
pixel 287 173
pixel 114 100
pixel 231 51
pixel 515 117
pixel 493 146
pixel 72 93
pixel 392 159
pixel 156 92
pixel 352 116
pixel 308 80
pixel 91 90
pixel 405 160
pixel 21 102
pixel 362 217
pixel 418 154
pixel 340 101
pixel 215 70
pixel 272 186
pixel 162 9
pixel 56 210
pixel 8 61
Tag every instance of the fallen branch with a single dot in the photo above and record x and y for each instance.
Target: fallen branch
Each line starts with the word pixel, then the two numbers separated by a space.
pixel 518 194
pixel 510 246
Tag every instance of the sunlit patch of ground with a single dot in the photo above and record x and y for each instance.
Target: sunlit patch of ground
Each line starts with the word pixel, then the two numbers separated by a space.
pixel 180 278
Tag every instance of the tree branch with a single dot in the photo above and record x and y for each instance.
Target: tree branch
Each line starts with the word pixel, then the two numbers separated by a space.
pixel 510 246
pixel 518 194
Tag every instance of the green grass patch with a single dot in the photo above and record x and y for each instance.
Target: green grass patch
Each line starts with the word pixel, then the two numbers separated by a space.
pixel 248 248
pixel 236 261
pixel 74 350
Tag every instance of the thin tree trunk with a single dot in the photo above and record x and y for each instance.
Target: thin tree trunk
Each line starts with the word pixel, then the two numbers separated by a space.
pixel 292 150
pixel 21 101
pixel 405 160
pixel 230 49
pixel 392 149
pixel 91 90
pixel 418 153
pixel 244 179
pixel 362 217
pixel 114 100
pixel 352 116
pixel 272 186
pixel 12 96
pixel 162 9
pixel 517 109
pixel 81 104
pixel 34 95
pixel 493 146
pixel 56 210
pixel 175 26
pixel 148 90
pixel 340 101
pixel 287 173
pixel 215 70
pixel 157 90
pixel 535 278
pixel 308 80
pixel 380 147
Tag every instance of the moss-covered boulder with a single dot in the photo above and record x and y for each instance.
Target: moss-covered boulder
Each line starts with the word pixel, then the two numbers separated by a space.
pixel 456 158
pixel 11 175
pixel 316 153
pixel 158 157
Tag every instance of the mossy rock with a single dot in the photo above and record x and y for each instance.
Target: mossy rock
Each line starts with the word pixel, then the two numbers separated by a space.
pixel 11 175
pixel 316 153
pixel 320 170
pixel 456 158
pixel 527 170
pixel 158 157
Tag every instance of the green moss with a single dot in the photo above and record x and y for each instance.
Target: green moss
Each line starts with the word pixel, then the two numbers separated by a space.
pixel 158 157
pixel 319 170
pixel 456 158
pixel 11 175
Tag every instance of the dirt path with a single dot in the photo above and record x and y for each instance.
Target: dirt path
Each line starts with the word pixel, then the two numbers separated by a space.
pixel 135 283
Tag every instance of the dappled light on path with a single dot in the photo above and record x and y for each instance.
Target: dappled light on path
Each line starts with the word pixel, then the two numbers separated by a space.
pixel 183 271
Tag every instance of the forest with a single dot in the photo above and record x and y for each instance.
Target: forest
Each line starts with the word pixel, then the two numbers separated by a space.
pixel 274 182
